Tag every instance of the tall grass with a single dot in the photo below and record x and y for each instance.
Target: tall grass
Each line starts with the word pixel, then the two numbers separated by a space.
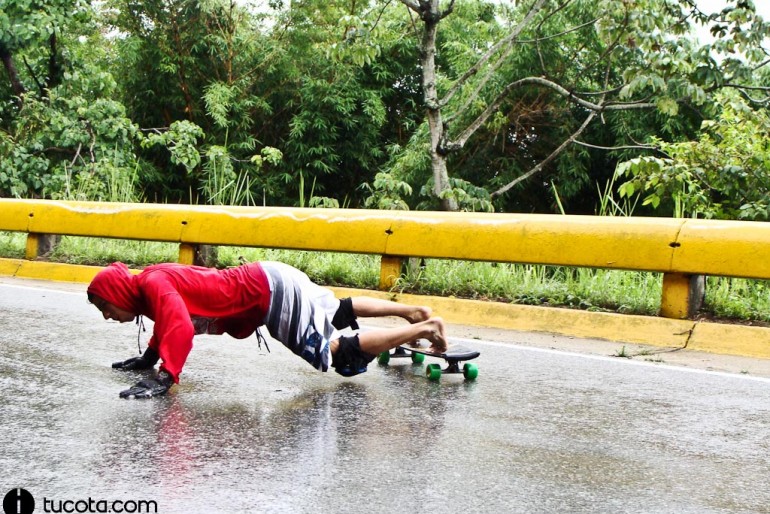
pixel 91 251
pixel 12 244
pixel 329 268
pixel 604 290
pixel 737 299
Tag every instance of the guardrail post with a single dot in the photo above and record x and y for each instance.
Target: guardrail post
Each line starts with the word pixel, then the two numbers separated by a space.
pixel 186 253
pixel 200 255
pixel 390 270
pixel 33 244
pixel 39 244
pixel 682 295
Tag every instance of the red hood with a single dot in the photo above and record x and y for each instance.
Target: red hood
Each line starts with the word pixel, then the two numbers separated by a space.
pixel 118 286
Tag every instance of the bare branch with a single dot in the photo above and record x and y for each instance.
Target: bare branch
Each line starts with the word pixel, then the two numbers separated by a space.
pixel 92 145
pixel 77 154
pixel 763 63
pixel 16 85
pixel 766 89
pixel 411 4
pixel 563 33
pixel 484 116
pixel 548 159
pixel 446 12
pixel 561 148
pixel 755 101
pixel 379 16
pixel 508 40
pixel 600 93
pixel 611 148
pixel 40 87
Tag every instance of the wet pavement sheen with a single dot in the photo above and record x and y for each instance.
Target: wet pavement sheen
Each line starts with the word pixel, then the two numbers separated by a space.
pixel 252 431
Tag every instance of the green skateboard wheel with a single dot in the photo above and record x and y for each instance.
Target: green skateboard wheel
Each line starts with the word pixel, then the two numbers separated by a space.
pixel 384 358
pixel 433 372
pixel 470 371
pixel 418 358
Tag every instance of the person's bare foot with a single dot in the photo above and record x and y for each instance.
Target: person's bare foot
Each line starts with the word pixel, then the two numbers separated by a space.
pixel 418 314
pixel 435 334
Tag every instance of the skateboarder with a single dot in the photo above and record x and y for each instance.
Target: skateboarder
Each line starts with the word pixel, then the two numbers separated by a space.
pixel 186 300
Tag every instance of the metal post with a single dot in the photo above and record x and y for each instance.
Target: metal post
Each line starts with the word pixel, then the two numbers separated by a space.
pixel 390 271
pixel 682 295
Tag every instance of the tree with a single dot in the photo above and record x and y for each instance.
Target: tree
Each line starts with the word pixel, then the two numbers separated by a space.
pixel 615 57
pixel 287 79
pixel 34 33
pixel 725 174
pixel 61 133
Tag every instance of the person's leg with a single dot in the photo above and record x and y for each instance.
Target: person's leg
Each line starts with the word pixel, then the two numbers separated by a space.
pixel 352 354
pixel 367 307
pixel 375 342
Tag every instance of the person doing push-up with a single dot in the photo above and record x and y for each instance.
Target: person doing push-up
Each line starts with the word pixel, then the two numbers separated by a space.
pixel 185 300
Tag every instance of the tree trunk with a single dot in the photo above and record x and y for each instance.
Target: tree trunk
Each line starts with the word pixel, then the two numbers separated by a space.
pixel 435 123
pixel 441 180
pixel 13 75
pixel 206 256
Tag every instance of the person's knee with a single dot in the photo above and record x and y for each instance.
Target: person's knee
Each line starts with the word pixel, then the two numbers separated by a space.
pixel 349 359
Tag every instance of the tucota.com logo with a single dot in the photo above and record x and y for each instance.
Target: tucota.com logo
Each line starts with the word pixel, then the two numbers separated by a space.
pixel 21 501
pixel 18 501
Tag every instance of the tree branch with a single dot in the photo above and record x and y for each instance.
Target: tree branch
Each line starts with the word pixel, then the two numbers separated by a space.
pixel 16 85
pixel 611 148
pixel 563 33
pixel 411 4
pixel 446 12
pixel 54 68
pixel 548 159
pixel 539 81
pixel 379 16
pixel 473 70
pixel 763 63
pixel 766 89
pixel 40 87
pixel 77 154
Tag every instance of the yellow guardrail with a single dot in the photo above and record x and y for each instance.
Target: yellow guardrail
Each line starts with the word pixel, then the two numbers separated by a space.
pixel 678 248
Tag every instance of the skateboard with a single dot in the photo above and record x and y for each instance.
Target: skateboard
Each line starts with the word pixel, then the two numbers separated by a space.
pixel 453 356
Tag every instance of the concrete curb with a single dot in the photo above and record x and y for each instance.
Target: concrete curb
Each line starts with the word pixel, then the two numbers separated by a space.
pixel 718 338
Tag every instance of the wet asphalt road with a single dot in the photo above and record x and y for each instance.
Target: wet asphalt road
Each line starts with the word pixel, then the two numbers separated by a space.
pixel 251 431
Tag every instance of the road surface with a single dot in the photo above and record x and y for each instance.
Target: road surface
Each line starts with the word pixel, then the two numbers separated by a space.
pixel 550 425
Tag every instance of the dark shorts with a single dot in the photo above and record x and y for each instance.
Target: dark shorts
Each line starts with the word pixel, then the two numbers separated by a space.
pixel 345 317
pixel 350 359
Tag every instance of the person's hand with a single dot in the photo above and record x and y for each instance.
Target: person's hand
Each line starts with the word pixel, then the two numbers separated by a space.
pixel 145 361
pixel 150 387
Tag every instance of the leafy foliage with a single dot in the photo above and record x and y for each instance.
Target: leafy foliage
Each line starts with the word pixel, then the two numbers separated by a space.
pixel 387 193
pixel 724 174
pixel 510 105
pixel 63 136
pixel 215 101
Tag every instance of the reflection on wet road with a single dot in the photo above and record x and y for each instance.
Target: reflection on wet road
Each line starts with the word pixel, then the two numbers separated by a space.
pixel 251 431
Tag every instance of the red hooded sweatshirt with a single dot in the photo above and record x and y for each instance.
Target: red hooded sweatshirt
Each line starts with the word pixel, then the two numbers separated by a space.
pixel 181 298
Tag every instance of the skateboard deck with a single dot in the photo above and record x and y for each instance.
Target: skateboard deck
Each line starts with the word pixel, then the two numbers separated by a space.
pixel 454 355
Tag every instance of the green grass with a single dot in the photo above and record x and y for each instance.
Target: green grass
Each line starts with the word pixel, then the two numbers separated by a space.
pixel 727 299
pixel 12 244
pixel 332 269
pixel 605 290
pixel 90 251
pixel 738 299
